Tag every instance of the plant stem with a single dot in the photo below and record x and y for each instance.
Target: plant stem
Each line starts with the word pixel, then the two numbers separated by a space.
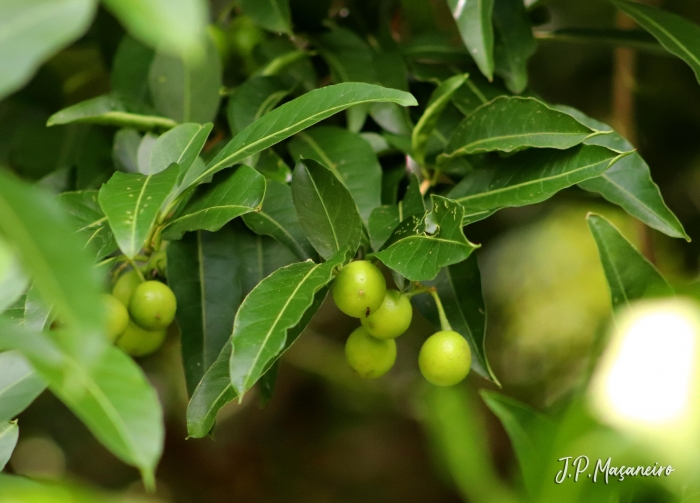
pixel 444 324
pixel 418 289
pixel 136 268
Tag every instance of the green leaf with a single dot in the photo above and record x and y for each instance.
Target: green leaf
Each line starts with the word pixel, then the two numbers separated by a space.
pixel 636 39
pixel 459 288
pixel 33 31
pixel 38 315
pixel 226 198
pixel 212 393
pixel 510 124
pixel 109 111
pixel 13 281
pixel 630 276
pixel 180 145
pixel 628 182
pixel 131 202
pixel 385 219
pixel 476 92
pixel 108 392
pixel 273 167
pixel 426 125
pixel 678 35
pixel 278 219
pixel 349 57
pixel 174 26
pixel 295 116
pixel 531 435
pixel 273 15
pixel 125 150
pixel 185 90
pixel 19 385
pixel 349 157
pixel 530 177
pixel 277 304
pixel 326 210
pixel 420 246
pixel 473 19
pixel 89 221
pixel 514 43
pixel 253 99
pixel 9 433
pixel 129 77
pixel 33 222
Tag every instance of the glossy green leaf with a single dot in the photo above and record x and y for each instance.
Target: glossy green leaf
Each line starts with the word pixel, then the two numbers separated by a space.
pixel 180 145
pixel 678 35
pixel 273 15
pixel 278 219
pixel 129 77
pixel 33 31
pixel 9 434
pixel 514 43
pixel 275 305
pixel 109 393
pixel 530 176
pixel 628 182
pixel 34 223
pixel 426 125
pixel 420 246
pixel 273 167
pixel 184 90
pixel 227 197
pixel 531 435
pixel 630 276
pixel 131 202
pixel 13 280
pixel 476 92
pixel 510 124
pixel 109 111
pixel 349 157
pixel 88 221
pixel 253 99
pixel 174 26
pixel 474 21
pixel 19 385
pixel 385 219
pixel 326 210
pixel 295 116
pixel 349 57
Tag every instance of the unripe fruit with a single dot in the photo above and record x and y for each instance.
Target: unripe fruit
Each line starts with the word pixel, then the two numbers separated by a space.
pixel 445 358
pixel 153 305
pixel 359 289
pixel 391 319
pixel 139 342
pixel 368 356
pixel 125 286
pixel 117 317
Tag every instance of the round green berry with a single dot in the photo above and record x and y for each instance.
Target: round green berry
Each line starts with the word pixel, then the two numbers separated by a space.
pixel 445 358
pixel 139 342
pixel 359 289
pixel 125 286
pixel 153 305
pixel 368 356
pixel 116 315
pixel 391 319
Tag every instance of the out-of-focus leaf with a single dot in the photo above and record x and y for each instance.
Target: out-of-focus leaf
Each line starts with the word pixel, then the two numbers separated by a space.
pixel 184 90
pixel 109 393
pixel 38 315
pixel 9 433
pixel 88 221
pixel 435 48
pixel 13 280
pixel 349 157
pixel 131 202
pixel 278 219
pixel 272 15
pixel 19 385
pixel 510 124
pixel 143 154
pixel 295 116
pixel 514 43
pixel 385 219
pixel 129 76
pixel 273 167
pixel 636 39
pixel 125 150
pixel 253 99
pixel 476 92
pixel 226 198
pixel 349 57
pixel 474 21
pixel 109 111
pixel 420 246
pixel 630 276
pixel 276 305
pixel 33 31
pixel 530 177
pixel 33 222
pixel 327 213
pixel 180 145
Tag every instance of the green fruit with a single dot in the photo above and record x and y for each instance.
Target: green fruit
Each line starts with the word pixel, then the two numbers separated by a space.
pixel 359 289
pixel 368 356
pixel 125 286
pixel 391 319
pixel 153 305
pixel 117 317
pixel 445 358
pixel 139 342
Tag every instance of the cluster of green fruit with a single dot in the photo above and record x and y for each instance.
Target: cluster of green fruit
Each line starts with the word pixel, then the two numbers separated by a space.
pixel 139 313
pixel 360 291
